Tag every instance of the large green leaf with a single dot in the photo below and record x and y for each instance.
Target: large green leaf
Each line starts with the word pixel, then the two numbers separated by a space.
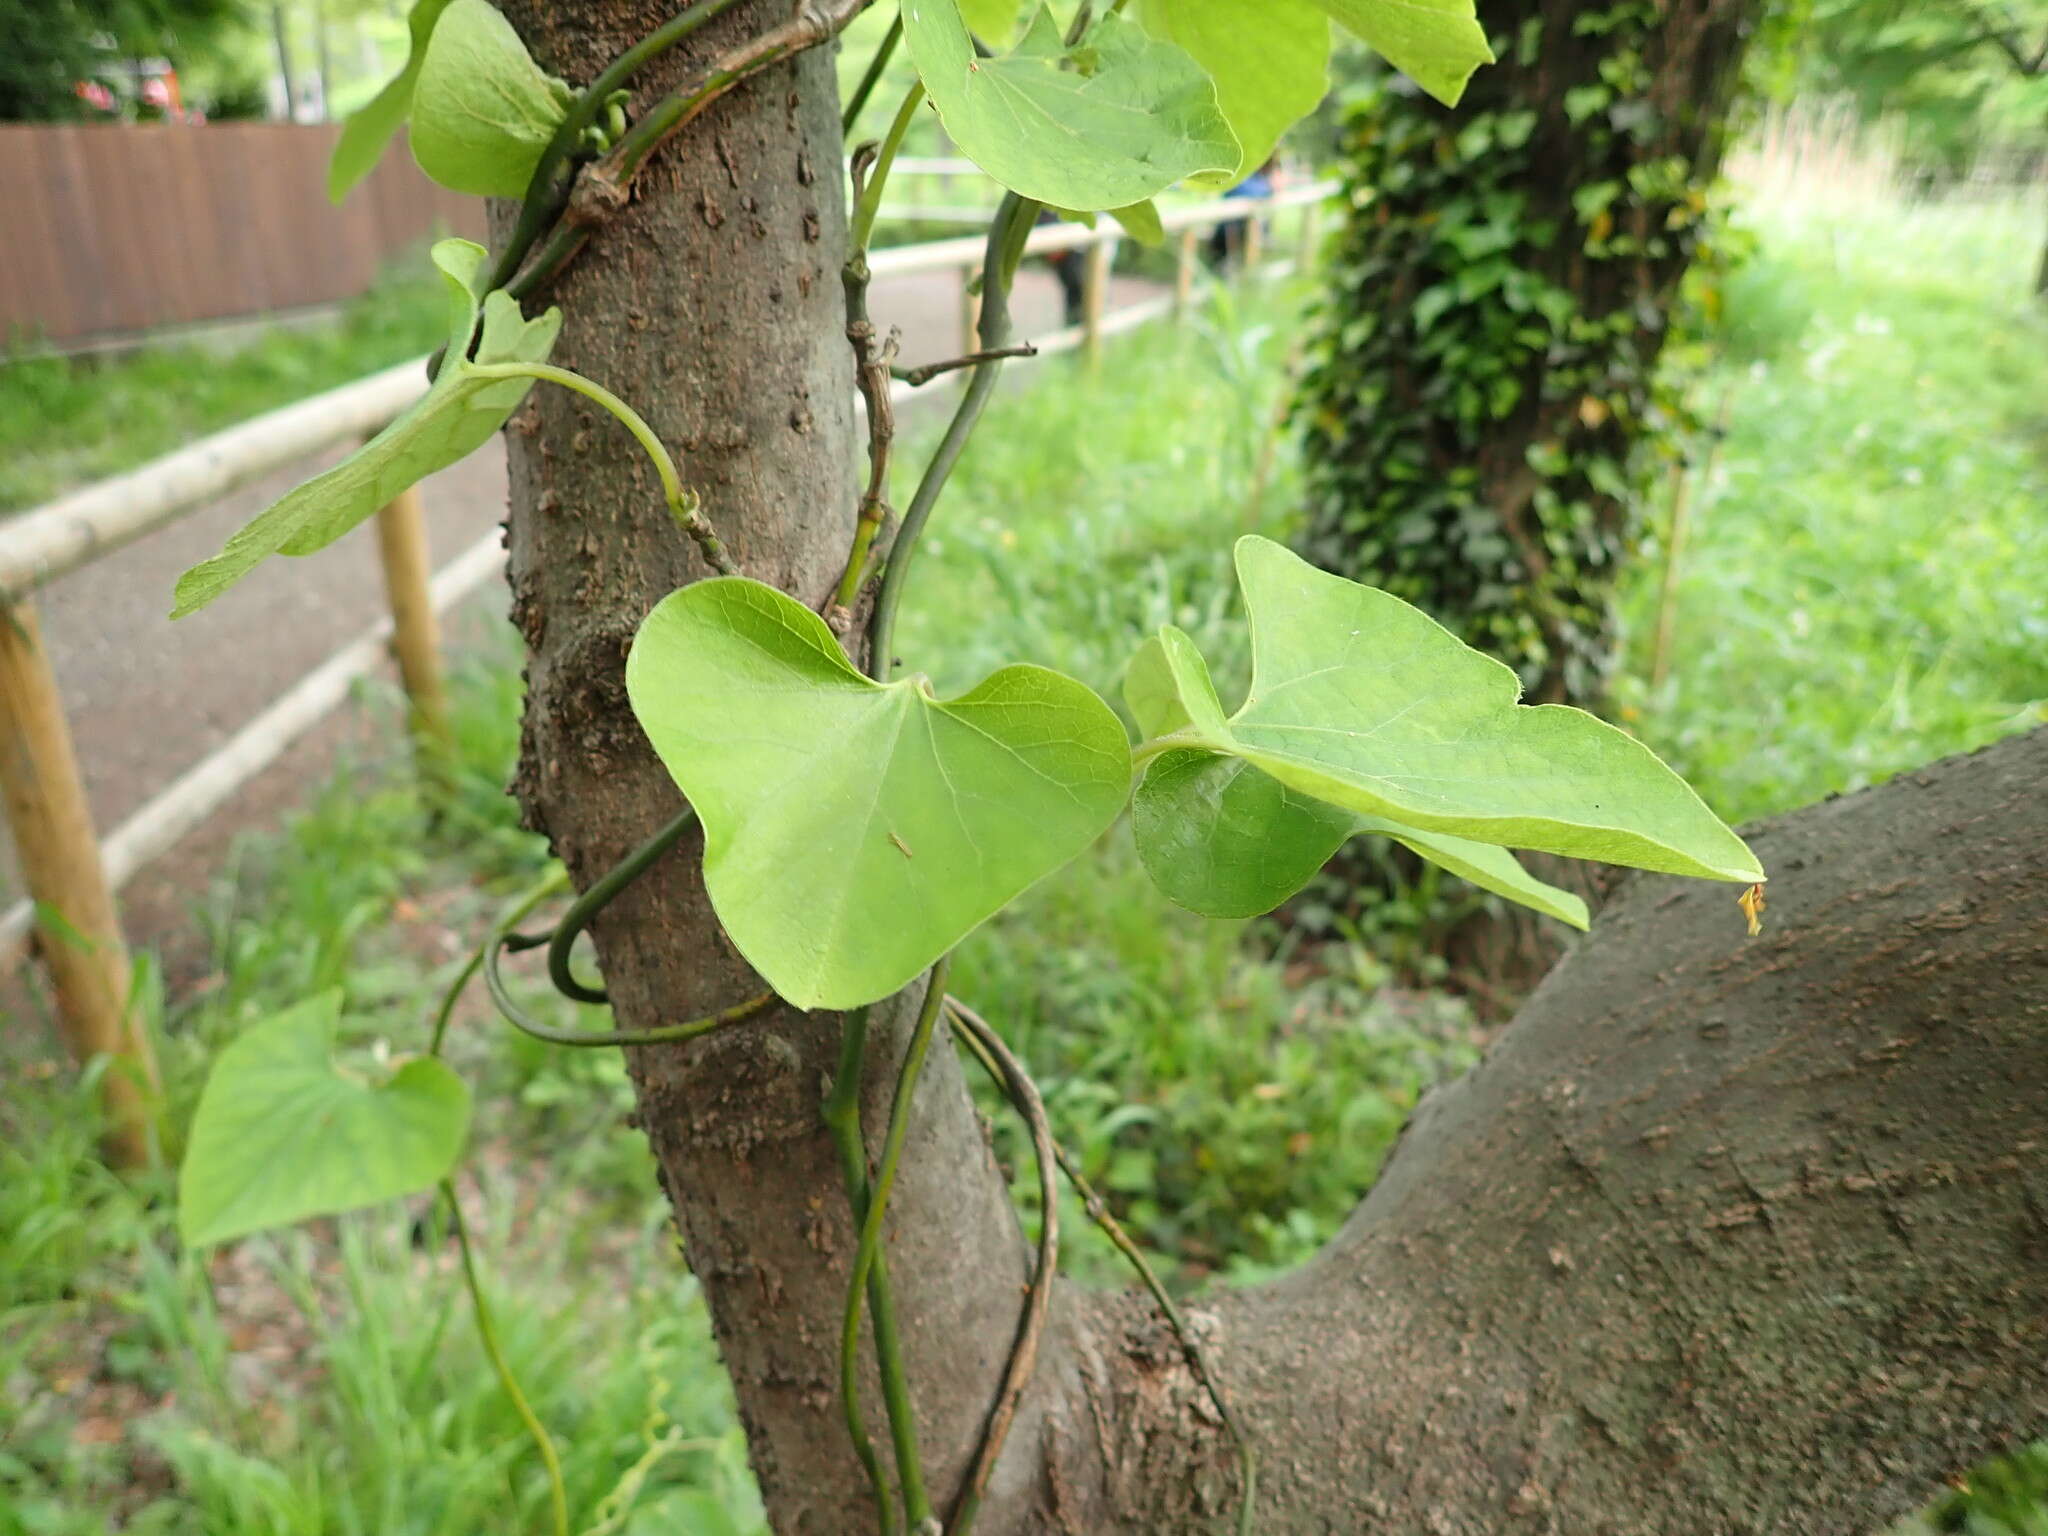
pixel 483 111
pixel 455 417
pixel 1125 116
pixel 370 127
pixel 1435 43
pixel 855 831
pixel 282 1134
pixel 1270 60
pixel 1363 702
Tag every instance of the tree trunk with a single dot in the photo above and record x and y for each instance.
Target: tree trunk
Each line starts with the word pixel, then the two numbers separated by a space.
pixel 714 304
pixel 1725 1236
pixel 1500 292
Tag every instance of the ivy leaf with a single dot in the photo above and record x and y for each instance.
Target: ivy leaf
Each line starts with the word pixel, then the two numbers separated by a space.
pixel 370 127
pixel 1365 703
pixel 483 110
pixel 855 831
pixel 282 1135
pixel 1435 43
pixel 1270 60
pixel 455 417
pixel 1123 117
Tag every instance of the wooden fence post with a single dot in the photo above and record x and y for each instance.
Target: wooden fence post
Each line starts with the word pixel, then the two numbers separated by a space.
pixel 1254 243
pixel 1184 271
pixel 59 855
pixel 415 634
pixel 1093 299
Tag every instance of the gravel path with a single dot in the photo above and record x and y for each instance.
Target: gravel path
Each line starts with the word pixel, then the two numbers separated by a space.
pixel 148 699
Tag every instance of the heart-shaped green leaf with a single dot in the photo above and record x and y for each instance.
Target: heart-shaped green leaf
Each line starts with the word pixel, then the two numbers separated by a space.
pixel 855 831
pixel 452 420
pixel 1363 702
pixel 282 1135
pixel 370 127
pixel 1120 118
pixel 482 110
pixel 1270 60
pixel 1435 43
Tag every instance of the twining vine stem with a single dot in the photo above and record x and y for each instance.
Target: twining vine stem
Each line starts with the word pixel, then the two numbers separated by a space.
pixel 1007 232
pixel 982 1040
pixel 1015 1083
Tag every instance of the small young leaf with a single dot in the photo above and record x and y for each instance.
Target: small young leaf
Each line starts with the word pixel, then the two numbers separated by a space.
pixel 1225 840
pixel 1435 43
pixel 1363 702
pixel 855 831
pixel 370 127
pixel 993 21
pixel 452 420
pixel 281 1135
pixel 1126 116
pixel 1270 60
pixel 1141 222
pixel 483 110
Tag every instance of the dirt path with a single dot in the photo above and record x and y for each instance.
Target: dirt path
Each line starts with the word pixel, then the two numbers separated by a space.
pixel 147 699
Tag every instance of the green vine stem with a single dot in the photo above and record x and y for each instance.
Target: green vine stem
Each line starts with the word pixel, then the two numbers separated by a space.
pixel 841 1113
pixel 544 202
pixel 895 1387
pixel 980 1033
pixel 487 1331
pixel 502 939
pixel 813 23
pixel 562 943
pixel 1006 234
pixel 870 205
pixel 871 77
pixel 987 1047
pixel 554 881
pixel 683 504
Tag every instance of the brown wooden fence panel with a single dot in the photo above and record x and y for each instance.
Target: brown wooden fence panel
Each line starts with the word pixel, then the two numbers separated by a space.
pixel 110 229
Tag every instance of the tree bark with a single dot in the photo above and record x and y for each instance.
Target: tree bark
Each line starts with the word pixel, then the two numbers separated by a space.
pixel 1726 1235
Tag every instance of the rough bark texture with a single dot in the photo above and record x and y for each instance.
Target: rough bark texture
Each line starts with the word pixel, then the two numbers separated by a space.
pixel 713 303
pixel 1725 1235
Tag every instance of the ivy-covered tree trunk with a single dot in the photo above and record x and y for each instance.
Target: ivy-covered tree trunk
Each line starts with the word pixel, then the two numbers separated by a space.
pixel 1485 361
pixel 1724 1237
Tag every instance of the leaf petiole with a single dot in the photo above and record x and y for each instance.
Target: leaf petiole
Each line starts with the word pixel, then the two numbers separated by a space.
pixel 683 503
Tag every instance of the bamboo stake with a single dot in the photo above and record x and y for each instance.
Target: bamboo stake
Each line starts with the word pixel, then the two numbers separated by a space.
pixel 415 633
pixel 1674 544
pixel 1254 245
pixel 1093 299
pixel 79 934
pixel 1311 221
pixel 1184 271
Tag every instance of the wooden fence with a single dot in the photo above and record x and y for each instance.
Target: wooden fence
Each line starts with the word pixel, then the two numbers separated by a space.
pixel 72 873
pixel 122 228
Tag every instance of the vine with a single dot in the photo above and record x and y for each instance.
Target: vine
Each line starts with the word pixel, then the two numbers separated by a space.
pixel 973 798
pixel 1482 414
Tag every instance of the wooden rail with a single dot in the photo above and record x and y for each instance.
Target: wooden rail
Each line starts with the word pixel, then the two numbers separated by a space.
pixel 72 875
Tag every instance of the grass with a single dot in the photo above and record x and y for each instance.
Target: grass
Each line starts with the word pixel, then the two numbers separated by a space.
pixel 66 421
pixel 1839 622
pixel 1863 587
